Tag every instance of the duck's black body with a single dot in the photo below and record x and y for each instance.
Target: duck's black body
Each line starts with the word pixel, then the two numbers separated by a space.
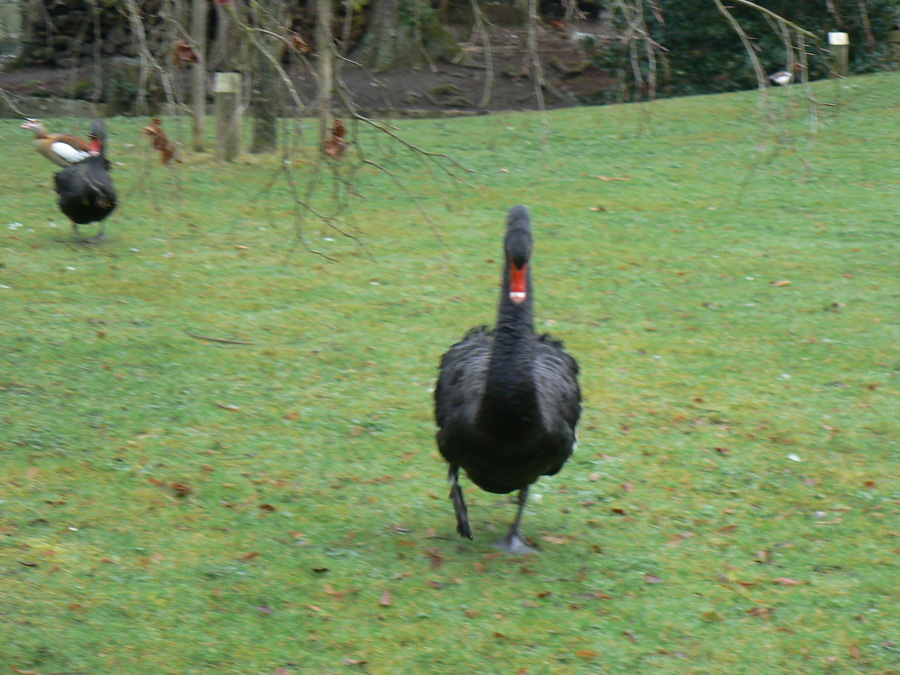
pixel 507 401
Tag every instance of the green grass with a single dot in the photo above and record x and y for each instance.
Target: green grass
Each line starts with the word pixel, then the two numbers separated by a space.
pixel 176 505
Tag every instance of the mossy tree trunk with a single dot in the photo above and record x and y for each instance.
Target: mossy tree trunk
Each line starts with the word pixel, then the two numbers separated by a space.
pixel 266 102
pixel 403 32
pixel 198 73
pixel 325 65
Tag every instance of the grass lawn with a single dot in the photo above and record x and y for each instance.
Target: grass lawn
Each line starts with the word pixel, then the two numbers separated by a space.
pixel 276 504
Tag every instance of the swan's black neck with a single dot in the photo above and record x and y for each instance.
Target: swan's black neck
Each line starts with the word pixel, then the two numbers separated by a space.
pixel 510 398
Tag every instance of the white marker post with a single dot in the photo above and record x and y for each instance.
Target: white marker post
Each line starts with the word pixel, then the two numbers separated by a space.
pixel 227 88
pixel 840 49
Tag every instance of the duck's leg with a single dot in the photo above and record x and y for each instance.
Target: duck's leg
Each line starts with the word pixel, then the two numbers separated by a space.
pixel 514 542
pixel 459 504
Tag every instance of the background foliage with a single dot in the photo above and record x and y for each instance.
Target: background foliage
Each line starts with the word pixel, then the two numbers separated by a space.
pixel 704 55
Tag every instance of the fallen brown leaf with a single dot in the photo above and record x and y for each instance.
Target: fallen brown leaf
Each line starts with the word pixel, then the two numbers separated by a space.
pixel 785 581
pixel 335 146
pixel 161 141
pixel 652 579
pixel 434 555
pixel 386 599
pixel 181 490
pixel 549 538
pixel 248 556
pixel 338 594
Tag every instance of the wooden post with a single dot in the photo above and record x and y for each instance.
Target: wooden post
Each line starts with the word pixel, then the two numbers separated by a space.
pixel 227 89
pixel 198 72
pixel 840 50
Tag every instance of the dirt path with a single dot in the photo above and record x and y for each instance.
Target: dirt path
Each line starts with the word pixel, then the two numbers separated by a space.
pixel 446 89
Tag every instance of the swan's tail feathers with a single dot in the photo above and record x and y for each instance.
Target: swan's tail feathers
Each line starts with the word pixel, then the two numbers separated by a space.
pixel 459 504
pixel 514 542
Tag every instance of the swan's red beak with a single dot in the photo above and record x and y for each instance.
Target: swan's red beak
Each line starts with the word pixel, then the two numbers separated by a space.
pixel 517 285
pixel 95 146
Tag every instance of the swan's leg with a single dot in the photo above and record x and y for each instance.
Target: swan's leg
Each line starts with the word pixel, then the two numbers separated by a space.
pixel 514 542
pixel 100 236
pixel 459 504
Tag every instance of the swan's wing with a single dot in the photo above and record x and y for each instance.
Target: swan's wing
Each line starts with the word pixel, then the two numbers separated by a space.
pixel 556 375
pixel 461 379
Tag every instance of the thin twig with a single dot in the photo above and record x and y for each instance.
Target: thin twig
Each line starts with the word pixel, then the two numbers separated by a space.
pixel 222 340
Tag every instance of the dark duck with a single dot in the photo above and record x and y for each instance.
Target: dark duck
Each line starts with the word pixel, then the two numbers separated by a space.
pixel 85 190
pixel 507 400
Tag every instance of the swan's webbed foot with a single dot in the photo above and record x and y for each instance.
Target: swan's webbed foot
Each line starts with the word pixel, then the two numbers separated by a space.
pixel 514 542
pixel 459 504
pixel 100 236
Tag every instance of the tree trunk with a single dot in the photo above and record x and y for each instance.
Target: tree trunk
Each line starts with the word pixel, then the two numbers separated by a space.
pixel 390 38
pixel 325 54
pixel 266 95
pixel 198 72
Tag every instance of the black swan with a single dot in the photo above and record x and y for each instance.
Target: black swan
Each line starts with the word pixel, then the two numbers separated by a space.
pixel 85 190
pixel 507 401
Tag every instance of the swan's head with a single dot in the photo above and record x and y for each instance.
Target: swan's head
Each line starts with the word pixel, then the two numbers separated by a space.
pixel 97 135
pixel 517 246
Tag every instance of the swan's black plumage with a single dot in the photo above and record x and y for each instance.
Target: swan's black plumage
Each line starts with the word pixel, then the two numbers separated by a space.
pixel 507 401
pixel 85 190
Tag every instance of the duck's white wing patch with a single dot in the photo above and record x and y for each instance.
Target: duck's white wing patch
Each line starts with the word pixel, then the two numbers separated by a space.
pixel 68 153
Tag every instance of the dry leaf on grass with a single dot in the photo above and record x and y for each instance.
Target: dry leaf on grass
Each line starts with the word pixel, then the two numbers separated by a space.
pixel 335 146
pixel 161 141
